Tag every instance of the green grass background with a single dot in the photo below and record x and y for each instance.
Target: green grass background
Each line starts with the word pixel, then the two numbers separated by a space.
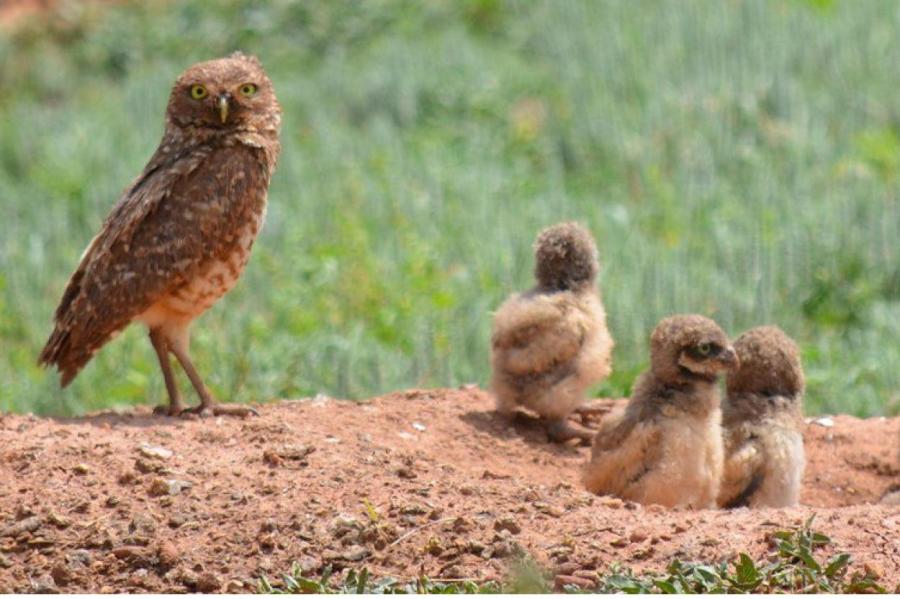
pixel 734 158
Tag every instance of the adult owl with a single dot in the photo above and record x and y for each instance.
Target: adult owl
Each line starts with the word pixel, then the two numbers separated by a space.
pixel 180 235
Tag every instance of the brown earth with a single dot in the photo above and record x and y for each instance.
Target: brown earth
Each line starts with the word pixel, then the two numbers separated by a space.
pixel 416 482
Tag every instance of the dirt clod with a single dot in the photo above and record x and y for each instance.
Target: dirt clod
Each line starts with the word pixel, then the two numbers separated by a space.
pixel 27 525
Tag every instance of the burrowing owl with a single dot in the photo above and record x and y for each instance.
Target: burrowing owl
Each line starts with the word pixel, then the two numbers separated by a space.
pixel 551 343
pixel 762 421
pixel 180 235
pixel 665 446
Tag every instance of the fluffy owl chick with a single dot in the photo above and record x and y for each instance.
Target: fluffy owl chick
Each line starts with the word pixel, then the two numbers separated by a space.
pixel 550 343
pixel 665 445
pixel 180 235
pixel 762 422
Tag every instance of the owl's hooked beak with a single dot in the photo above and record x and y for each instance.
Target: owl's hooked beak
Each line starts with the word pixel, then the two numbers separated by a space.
pixel 729 358
pixel 222 103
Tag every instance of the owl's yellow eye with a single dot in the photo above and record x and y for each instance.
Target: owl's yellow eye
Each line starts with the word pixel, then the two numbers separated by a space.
pixel 248 89
pixel 198 92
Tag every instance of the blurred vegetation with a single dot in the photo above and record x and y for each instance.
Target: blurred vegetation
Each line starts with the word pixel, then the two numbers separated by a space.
pixel 734 158
pixel 795 566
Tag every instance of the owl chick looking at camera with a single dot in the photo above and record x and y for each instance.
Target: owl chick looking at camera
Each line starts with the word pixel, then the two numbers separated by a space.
pixel 762 422
pixel 550 343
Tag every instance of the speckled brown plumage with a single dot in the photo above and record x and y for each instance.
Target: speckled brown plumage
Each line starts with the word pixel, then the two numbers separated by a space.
pixel 551 343
pixel 762 422
pixel 181 233
pixel 665 446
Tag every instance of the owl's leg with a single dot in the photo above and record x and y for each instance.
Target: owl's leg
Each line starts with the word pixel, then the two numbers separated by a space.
pixel 162 353
pixel 208 405
pixel 561 430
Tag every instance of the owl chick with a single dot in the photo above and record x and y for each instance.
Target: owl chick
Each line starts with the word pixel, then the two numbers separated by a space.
pixel 665 445
pixel 180 235
pixel 762 422
pixel 551 343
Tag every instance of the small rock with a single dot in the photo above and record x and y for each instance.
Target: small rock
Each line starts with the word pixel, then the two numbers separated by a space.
pixel 507 523
pixel 275 456
pixel 208 583
pixel 127 478
pixel 453 571
pixel 343 524
pixel 355 553
pixel 24 511
pixel 81 469
pixel 177 520
pixel 309 564
pixel 167 554
pixel 148 466
pixel 78 558
pixel 142 523
pixel 44 585
pixel 561 581
pixel 475 547
pixel 620 542
pixel 892 498
pixel 418 426
pixel 612 502
pixel 824 422
pixel 27 525
pixel 133 554
pixel 4 563
pixel 637 537
pixel 155 451
pixel 567 568
pixel 58 520
pixel 550 510
pixel 234 586
pixel 160 487
pixel 61 574
pixel 406 472
pixel 434 546
pixel 269 526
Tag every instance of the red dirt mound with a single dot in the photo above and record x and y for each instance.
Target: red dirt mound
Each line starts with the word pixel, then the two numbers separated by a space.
pixel 417 482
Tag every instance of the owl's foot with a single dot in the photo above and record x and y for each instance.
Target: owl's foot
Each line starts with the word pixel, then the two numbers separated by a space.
pixel 219 409
pixel 590 411
pixel 562 430
pixel 168 410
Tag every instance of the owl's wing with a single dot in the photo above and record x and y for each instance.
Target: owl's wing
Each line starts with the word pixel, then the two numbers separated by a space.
pixel 624 450
pixel 534 335
pixel 171 220
pixel 742 475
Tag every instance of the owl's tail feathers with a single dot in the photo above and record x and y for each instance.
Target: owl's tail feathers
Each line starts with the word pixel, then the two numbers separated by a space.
pixel 60 352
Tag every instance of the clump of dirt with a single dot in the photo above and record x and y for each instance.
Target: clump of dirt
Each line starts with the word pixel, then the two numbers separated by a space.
pixel 424 481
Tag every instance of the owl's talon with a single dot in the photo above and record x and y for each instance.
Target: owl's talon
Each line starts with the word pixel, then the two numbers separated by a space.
pixel 560 431
pixel 166 410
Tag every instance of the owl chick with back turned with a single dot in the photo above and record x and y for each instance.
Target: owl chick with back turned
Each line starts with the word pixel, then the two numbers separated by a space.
pixel 551 343
pixel 665 445
pixel 762 422
pixel 180 235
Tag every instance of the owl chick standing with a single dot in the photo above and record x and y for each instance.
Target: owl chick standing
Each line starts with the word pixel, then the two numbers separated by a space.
pixel 180 235
pixel 762 422
pixel 551 343
pixel 665 446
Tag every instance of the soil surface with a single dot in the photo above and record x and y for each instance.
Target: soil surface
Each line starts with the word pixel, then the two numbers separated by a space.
pixel 425 481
